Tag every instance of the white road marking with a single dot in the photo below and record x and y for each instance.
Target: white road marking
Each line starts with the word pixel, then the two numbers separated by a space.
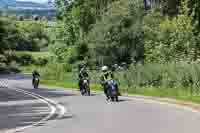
pixel 51 113
pixel 51 104
pixel 62 109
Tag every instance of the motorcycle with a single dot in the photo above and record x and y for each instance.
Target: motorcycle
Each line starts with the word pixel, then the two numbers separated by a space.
pixel 85 87
pixel 112 90
pixel 36 82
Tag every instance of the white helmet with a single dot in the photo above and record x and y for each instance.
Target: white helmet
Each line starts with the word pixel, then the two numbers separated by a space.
pixel 104 68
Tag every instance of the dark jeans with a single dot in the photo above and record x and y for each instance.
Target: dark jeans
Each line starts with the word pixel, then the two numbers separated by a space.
pixel 106 92
pixel 80 84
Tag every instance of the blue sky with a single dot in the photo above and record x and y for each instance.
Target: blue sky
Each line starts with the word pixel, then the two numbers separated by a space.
pixel 38 1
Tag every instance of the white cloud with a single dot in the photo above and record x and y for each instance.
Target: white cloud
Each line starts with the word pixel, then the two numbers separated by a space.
pixel 38 1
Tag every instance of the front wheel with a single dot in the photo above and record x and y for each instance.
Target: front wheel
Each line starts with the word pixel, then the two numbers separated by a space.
pixel 116 98
pixel 36 84
pixel 87 90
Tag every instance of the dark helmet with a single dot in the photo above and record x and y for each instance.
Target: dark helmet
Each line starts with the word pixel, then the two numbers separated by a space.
pixel 34 71
pixel 81 67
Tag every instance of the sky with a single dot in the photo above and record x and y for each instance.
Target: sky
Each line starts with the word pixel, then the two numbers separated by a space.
pixel 38 1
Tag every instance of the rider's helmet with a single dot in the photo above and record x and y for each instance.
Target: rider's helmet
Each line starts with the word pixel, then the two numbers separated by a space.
pixel 34 71
pixel 81 67
pixel 104 69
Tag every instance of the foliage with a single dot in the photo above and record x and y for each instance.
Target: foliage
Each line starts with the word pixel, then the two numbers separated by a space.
pixel 170 39
pixel 8 34
pixel 33 35
pixel 22 35
pixel 32 58
pixel 25 59
pixel 118 37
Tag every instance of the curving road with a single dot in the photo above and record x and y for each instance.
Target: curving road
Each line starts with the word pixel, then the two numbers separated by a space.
pixel 59 111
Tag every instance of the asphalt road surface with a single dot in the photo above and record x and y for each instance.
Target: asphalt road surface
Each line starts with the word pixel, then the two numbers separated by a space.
pixel 59 111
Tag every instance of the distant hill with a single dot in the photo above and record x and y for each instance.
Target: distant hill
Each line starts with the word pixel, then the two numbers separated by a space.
pixel 30 4
pixel 24 4
pixel 6 3
pixel 28 8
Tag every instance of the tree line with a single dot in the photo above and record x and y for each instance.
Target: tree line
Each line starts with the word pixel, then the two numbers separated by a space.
pixel 124 31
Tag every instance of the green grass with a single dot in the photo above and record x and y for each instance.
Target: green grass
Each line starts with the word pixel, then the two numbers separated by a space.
pixel 68 85
pixel 34 54
pixel 28 69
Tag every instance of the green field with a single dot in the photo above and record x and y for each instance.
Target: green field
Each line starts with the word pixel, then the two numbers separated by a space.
pixel 34 54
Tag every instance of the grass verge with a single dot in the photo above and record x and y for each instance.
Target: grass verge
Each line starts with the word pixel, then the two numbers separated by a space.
pixel 154 92
pixel 66 84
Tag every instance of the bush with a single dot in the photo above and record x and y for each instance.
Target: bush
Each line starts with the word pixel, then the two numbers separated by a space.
pixel 179 75
pixel 55 71
pixel 41 61
pixel 6 69
pixel 2 59
pixel 10 56
pixel 3 69
pixel 25 59
pixel 13 67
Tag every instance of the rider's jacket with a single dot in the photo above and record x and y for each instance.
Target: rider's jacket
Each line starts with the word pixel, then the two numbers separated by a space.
pixel 82 75
pixel 106 76
pixel 35 74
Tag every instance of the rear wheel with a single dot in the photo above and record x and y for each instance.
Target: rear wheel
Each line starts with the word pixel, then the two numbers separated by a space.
pixel 116 98
pixel 87 89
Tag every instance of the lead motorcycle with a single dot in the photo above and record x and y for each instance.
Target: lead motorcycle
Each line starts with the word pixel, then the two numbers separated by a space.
pixel 112 90
pixel 36 82
pixel 85 87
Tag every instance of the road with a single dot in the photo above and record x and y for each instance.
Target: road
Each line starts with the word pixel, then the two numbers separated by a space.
pixel 60 111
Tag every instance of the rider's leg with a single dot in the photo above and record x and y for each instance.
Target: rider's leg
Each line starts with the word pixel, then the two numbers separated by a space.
pixel 117 88
pixel 33 80
pixel 106 93
pixel 80 85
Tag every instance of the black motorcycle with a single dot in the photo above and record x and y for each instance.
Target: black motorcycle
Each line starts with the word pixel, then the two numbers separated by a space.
pixel 36 82
pixel 85 87
pixel 112 90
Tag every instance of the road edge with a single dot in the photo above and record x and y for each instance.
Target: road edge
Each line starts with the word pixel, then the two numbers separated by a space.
pixel 189 106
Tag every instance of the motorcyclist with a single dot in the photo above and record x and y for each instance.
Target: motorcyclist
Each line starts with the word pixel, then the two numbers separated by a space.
pixel 83 74
pixel 107 75
pixel 34 75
